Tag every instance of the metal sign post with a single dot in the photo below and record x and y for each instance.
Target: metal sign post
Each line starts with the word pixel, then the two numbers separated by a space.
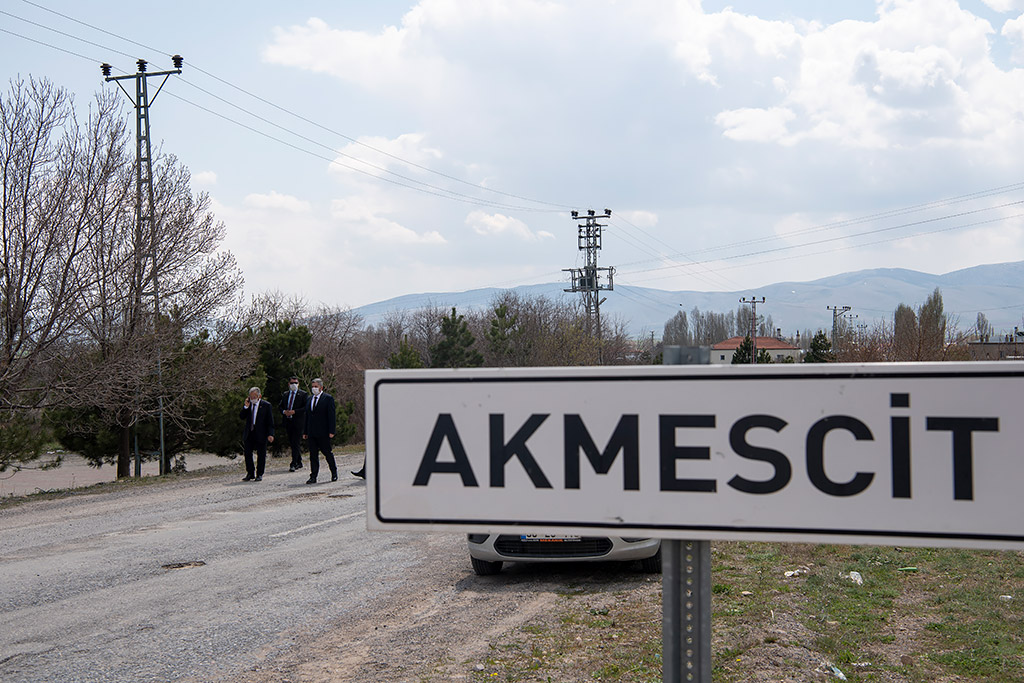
pixel 685 584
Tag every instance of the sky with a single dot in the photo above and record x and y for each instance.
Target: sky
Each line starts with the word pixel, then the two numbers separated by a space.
pixel 358 151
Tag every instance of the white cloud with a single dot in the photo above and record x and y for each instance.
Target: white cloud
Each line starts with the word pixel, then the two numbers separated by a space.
pixel 641 219
pixel 1013 30
pixel 204 178
pixel 497 224
pixel 1004 5
pixel 361 218
pixel 410 57
pixel 849 115
pixel 921 75
pixel 756 125
pixel 375 156
pixel 277 201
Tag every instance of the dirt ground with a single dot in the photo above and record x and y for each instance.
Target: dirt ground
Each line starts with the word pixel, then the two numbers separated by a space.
pixel 75 472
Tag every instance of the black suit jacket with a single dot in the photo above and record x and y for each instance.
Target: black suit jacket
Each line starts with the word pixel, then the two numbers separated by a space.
pixel 320 420
pixel 298 405
pixel 264 426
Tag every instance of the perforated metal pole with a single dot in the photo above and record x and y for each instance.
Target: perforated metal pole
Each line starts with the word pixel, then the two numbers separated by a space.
pixel 686 611
pixel 686 584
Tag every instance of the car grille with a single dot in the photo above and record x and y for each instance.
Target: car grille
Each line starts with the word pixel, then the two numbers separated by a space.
pixel 512 546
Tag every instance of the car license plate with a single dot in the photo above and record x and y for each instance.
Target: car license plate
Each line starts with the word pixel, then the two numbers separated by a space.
pixel 548 538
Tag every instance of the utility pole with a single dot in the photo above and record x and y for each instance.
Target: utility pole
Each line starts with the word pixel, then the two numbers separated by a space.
pixel 145 214
pixel 587 280
pixel 753 325
pixel 837 313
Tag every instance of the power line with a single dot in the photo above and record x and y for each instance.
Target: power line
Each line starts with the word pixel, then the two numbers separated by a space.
pixel 865 244
pixel 553 206
pixel 902 211
pixel 701 274
pixel 49 45
pixel 860 234
pixel 437 190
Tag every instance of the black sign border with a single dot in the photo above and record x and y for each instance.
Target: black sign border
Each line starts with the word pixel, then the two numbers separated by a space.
pixel 853 372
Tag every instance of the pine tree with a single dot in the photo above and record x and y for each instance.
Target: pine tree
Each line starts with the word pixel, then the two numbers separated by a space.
pixel 820 351
pixel 505 338
pixel 455 348
pixel 743 352
pixel 405 357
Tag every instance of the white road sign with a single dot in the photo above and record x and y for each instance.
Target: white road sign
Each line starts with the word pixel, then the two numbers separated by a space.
pixel 911 454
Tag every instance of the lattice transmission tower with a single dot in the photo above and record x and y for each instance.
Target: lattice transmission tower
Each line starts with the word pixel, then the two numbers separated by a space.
pixel 587 280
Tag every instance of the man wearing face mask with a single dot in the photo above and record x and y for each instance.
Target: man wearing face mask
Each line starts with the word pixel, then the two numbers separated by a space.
pixel 320 423
pixel 293 408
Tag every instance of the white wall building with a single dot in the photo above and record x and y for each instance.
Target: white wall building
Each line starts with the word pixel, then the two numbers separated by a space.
pixel 722 352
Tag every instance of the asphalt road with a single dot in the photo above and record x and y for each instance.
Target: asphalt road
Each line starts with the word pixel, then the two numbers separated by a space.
pixel 207 579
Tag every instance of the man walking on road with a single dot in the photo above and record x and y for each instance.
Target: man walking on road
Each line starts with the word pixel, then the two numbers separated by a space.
pixel 257 433
pixel 320 424
pixel 293 408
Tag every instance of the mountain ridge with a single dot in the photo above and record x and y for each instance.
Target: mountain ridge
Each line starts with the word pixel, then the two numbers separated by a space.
pixel 872 294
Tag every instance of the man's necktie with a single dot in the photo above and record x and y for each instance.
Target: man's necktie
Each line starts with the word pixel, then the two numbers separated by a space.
pixel 291 399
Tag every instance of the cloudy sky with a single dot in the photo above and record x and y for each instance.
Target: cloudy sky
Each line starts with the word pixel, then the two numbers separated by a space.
pixel 363 150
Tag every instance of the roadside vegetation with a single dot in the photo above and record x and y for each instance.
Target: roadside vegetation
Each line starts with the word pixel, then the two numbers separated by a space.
pixel 792 612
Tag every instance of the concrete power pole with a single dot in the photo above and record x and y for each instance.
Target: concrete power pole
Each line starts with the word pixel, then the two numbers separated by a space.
pixel 837 313
pixel 587 280
pixel 753 325
pixel 145 212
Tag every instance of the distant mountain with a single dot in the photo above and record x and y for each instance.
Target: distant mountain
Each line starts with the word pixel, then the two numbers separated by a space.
pixel 996 289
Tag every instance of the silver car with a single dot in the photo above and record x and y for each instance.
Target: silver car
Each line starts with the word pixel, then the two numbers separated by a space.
pixel 487 552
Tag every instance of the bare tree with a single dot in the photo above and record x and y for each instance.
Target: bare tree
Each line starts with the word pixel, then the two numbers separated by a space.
pixel 131 365
pixel 677 330
pixel 60 187
pixel 338 339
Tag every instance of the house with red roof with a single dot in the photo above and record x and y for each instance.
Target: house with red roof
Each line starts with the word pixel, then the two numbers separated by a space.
pixel 722 352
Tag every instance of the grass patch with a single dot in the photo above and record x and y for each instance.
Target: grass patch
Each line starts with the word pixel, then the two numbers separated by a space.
pixel 919 615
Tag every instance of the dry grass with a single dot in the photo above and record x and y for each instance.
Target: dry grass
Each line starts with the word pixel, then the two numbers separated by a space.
pixel 920 615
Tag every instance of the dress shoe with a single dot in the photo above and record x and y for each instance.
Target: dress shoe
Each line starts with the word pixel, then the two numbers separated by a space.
pixel 259 478
pixel 247 478
pixel 334 476
pixel 292 468
pixel 361 473
pixel 311 480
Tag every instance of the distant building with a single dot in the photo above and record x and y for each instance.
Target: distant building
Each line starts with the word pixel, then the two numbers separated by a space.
pixel 996 350
pixel 722 352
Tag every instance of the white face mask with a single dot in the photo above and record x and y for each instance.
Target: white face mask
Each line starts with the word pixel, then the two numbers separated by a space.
pixel 316 391
pixel 293 387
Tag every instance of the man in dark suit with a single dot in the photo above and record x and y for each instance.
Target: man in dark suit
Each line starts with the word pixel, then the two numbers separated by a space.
pixel 320 423
pixel 258 417
pixel 293 408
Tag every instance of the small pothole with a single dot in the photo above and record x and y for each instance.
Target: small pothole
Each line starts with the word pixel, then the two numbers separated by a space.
pixel 185 565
